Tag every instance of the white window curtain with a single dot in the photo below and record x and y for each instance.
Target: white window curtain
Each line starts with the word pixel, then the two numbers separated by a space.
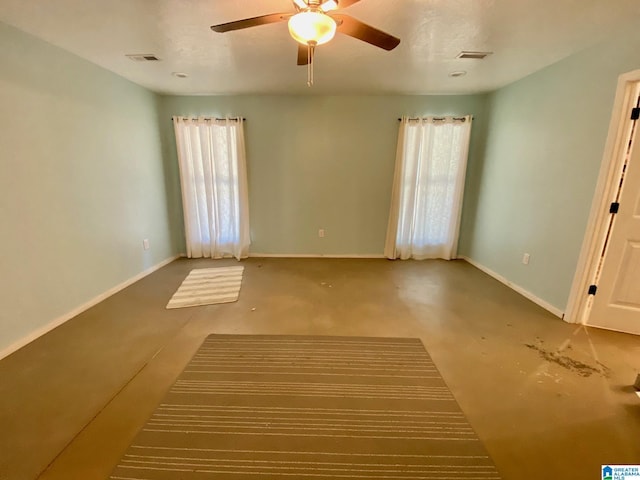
pixel 428 183
pixel 213 178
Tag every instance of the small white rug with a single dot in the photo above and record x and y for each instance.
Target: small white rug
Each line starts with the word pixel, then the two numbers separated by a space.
pixel 206 286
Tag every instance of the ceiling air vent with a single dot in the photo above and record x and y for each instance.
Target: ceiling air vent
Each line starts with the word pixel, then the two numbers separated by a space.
pixel 474 55
pixel 143 57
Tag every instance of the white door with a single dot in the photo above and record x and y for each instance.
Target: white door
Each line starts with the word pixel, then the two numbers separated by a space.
pixel 616 304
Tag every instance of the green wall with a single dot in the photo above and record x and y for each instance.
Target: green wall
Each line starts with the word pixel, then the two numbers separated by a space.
pixel 317 162
pixel 534 187
pixel 81 183
pixel 88 169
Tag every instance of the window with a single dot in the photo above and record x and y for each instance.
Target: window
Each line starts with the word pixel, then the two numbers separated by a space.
pixel 214 186
pixel 428 184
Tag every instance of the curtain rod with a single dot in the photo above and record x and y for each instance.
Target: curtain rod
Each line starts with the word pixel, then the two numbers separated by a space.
pixel 437 118
pixel 211 118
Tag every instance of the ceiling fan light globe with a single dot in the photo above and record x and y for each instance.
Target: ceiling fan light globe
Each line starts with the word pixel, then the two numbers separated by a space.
pixel 312 27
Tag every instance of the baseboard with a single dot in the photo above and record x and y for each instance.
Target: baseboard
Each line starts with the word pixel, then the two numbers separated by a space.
pixel 525 293
pixel 303 255
pixel 76 311
pixel 310 255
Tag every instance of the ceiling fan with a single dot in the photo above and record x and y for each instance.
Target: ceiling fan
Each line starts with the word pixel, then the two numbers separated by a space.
pixel 315 22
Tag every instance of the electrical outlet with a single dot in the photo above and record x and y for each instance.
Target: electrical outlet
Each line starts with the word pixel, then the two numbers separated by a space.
pixel 525 258
pixel 145 244
pixel 321 233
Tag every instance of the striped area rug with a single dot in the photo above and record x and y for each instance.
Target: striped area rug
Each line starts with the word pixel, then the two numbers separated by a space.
pixel 206 286
pixel 289 407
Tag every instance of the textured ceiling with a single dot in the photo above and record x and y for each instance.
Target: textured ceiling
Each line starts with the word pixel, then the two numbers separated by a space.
pixel 525 36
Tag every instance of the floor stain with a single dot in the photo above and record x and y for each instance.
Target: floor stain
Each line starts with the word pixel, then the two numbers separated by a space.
pixel 605 370
pixel 569 363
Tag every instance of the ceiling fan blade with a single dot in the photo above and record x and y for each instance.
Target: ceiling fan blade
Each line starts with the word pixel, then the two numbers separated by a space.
pixel 356 29
pixel 250 22
pixel 303 54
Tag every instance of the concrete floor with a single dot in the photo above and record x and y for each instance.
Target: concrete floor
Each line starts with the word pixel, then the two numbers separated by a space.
pixel 546 397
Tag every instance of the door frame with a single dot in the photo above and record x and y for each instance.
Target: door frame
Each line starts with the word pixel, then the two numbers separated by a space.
pixel 579 304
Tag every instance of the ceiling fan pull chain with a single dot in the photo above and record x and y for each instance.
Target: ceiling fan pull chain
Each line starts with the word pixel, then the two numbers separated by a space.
pixel 310 51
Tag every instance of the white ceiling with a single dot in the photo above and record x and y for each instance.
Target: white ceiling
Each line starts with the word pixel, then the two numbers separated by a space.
pixel 525 36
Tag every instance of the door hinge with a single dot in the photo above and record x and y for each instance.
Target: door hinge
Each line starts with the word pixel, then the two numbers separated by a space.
pixel 615 206
pixel 592 289
pixel 635 113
